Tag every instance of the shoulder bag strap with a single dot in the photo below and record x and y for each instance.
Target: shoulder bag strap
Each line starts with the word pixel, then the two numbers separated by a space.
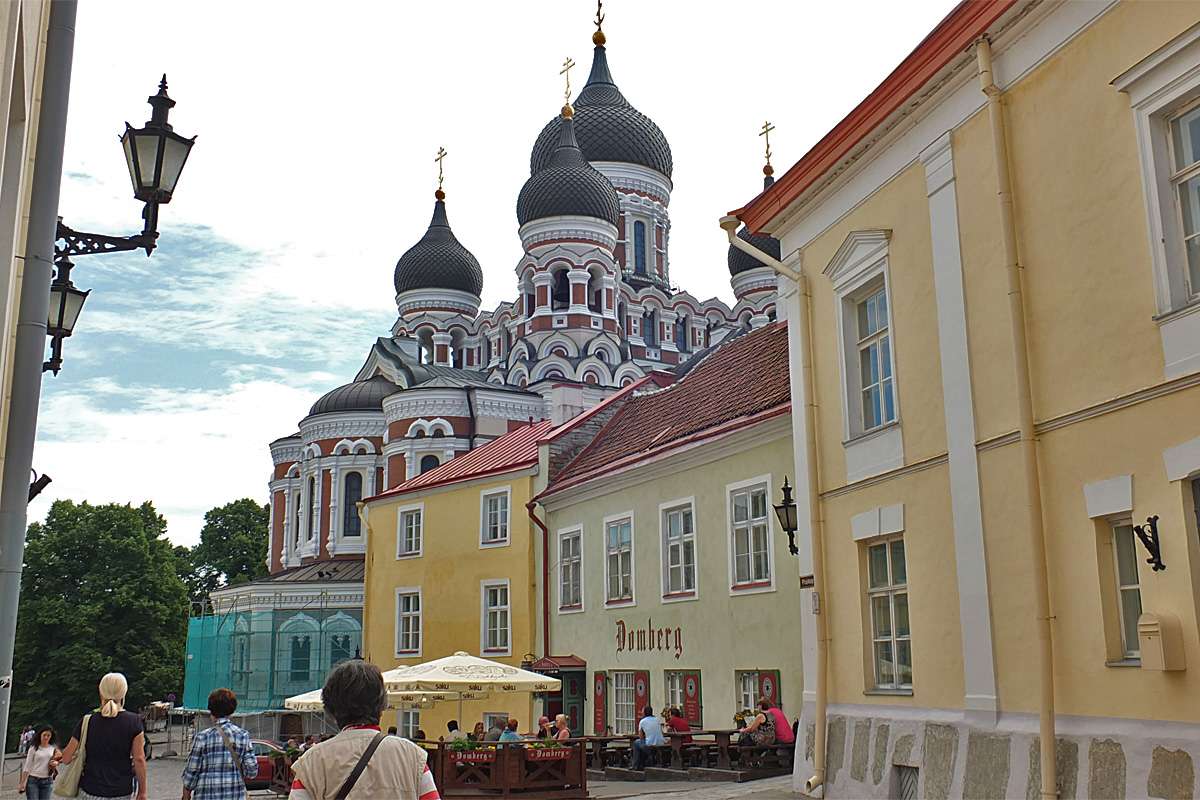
pixel 229 746
pixel 352 778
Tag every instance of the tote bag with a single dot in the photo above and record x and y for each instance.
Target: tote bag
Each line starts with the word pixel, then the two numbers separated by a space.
pixel 67 784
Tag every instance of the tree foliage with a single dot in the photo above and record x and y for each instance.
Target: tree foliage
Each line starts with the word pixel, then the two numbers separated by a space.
pixel 100 592
pixel 232 548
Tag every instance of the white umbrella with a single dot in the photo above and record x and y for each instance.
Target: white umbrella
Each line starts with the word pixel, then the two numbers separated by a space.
pixel 468 676
pixel 311 701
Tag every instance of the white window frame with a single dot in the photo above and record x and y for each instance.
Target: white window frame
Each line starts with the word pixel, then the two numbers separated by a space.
pixel 420 615
pixel 1127 652
pixel 566 533
pixel 673 681
pixel 889 591
pixel 401 513
pixel 1159 87
pixel 742 676
pixel 618 678
pixel 408 722
pixel 736 589
pixel 632 599
pixel 484 610
pixel 485 496
pixel 876 341
pixel 664 509
pixel 857 270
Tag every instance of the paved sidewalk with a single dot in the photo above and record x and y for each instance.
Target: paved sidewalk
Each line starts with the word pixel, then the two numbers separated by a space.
pixel 164 776
pixel 768 789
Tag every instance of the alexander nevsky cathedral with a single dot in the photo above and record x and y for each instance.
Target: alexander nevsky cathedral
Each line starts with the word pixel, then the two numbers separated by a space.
pixel 595 309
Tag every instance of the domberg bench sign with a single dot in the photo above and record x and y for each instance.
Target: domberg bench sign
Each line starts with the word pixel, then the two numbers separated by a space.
pixel 649 638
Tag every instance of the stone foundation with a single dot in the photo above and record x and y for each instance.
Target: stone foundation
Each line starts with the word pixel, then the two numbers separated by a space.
pixel 1097 758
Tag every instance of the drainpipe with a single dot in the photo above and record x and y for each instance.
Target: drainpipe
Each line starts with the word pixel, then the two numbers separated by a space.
pixel 30 341
pixel 820 603
pixel 1028 442
pixel 470 390
pixel 545 576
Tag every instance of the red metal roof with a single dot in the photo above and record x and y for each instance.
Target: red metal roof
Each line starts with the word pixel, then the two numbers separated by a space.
pixel 741 382
pixel 513 450
pixel 969 20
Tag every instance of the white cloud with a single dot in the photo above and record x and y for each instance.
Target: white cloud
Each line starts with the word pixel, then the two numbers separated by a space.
pixel 185 451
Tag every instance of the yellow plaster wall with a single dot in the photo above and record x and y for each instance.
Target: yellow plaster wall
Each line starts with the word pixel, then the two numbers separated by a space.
pixel 720 633
pixel 449 572
pixel 899 205
pixel 932 596
pixel 1080 212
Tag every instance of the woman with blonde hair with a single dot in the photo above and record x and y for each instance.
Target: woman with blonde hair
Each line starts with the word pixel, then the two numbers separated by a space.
pixel 113 744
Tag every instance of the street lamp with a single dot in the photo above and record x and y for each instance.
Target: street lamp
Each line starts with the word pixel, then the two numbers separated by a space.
pixel 786 511
pixel 155 155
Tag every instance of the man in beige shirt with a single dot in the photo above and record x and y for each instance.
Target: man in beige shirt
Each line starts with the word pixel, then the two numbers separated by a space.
pixel 394 769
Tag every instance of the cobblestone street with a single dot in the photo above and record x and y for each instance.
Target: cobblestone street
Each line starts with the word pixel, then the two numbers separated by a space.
pixel 165 785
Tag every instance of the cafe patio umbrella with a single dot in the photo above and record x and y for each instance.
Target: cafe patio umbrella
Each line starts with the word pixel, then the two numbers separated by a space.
pixel 467 677
pixel 311 701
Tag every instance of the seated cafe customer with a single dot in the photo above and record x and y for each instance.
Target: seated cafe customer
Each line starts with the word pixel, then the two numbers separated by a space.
pixel 510 732
pixel 677 723
pixel 649 735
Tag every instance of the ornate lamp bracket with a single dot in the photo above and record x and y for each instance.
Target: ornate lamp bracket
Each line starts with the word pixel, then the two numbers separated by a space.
pixel 1148 534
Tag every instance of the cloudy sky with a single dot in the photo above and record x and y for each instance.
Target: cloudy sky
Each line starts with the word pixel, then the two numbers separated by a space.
pixel 313 172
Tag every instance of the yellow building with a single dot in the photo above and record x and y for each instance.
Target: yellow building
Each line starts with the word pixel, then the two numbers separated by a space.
pixel 999 301
pixel 450 566
pixel 671 582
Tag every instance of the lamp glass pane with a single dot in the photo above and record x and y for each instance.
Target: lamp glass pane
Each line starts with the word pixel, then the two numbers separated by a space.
pixel 127 145
pixel 147 155
pixel 174 155
pixel 71 311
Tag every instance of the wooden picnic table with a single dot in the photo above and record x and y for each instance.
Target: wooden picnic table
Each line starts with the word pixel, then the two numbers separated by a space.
pixel 721 742
pixel 598 746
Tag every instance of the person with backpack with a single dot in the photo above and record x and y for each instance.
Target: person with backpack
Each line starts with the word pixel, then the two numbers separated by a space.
pixel 361 762
pixel 222 757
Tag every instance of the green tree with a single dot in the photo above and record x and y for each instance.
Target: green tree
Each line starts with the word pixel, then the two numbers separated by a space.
pixel 232 547
pixel 100 592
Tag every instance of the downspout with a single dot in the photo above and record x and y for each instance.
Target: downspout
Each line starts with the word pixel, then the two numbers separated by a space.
pixel 545 576
pixel 820 603
pixel 1028 442
pixel 470 390
pixel 29 349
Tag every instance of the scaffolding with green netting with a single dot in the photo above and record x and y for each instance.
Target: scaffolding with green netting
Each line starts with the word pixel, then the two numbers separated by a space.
pixel 266 649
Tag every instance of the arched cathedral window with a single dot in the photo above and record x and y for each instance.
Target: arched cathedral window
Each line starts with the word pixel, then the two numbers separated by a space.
pixel 351 493
pixel 312 506
pixel 650 328
pixel 429 462
pixel 639 247
pixel 299 654
pixel 561 296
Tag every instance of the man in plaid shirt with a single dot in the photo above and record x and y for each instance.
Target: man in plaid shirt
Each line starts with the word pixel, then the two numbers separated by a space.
pixel 212 771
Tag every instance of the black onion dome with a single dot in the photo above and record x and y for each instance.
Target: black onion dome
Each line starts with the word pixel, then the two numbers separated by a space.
pixel 358 396
pixel 740 261
pixel 607 126
pixel 568 186
pixel 439 261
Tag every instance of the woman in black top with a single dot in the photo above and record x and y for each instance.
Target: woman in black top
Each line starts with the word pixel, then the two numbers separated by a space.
pixel 113 748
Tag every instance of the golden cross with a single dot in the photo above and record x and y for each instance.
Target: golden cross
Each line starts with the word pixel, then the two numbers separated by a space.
pixel 566 70
pixel 766 133
pixel 441 153
pixel 599 14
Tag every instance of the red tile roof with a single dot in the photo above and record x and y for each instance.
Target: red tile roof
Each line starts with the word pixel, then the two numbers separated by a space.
pixel 969 20
pixel 740 382
pixel 511 451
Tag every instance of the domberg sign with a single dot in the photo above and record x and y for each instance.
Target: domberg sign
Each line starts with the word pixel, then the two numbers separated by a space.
pixel 649 638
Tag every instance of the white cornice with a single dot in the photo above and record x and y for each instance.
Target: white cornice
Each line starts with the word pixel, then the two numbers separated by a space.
pixel 417 300
pixel 341 425
pixel 753 280
pixel 860 250
pixel 550 229
pixel 636 178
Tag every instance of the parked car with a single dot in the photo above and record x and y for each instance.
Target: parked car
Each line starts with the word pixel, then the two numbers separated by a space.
pixel 264 750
